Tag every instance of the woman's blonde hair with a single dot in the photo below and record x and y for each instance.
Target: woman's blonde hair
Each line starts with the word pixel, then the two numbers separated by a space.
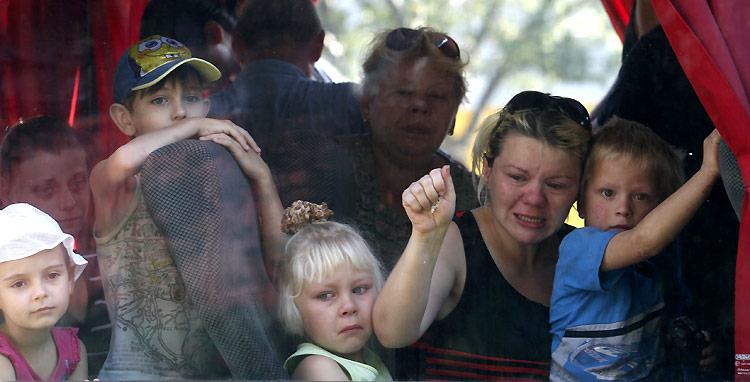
pixel 314 254
pixel 547 125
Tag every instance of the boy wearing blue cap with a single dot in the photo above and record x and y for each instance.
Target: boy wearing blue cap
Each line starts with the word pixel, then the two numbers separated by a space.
pixel 156 331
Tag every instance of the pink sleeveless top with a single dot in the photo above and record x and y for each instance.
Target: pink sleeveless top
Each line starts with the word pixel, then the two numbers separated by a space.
pixel 68 350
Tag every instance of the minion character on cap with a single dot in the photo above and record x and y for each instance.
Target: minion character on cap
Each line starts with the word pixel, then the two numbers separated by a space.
pixel 150 60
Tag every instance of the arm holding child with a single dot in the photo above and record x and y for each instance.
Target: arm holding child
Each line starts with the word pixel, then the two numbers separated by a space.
pixel 662 224
pixel 421 283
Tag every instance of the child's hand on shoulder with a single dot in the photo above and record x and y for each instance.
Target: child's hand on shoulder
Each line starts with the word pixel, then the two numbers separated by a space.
pixel 711 153
pixel 208 127
pixel 250 162
pixel 430 201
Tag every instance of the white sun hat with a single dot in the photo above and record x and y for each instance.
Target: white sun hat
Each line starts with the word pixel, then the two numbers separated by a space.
pixel 25 231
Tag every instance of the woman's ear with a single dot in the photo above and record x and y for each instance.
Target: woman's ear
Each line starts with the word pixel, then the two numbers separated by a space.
pixel 486 168
pixel 121 116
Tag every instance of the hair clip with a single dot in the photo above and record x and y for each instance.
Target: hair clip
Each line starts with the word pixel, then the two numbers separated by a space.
pixel 302 213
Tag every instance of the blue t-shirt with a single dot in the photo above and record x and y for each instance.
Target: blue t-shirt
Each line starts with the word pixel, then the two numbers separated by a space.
pixel 605 325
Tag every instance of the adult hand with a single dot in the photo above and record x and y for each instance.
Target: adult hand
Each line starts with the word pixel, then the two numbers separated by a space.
pixel 431 201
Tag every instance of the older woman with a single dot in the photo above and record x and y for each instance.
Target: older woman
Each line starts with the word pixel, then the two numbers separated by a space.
pixel 485 294
pixel 413 85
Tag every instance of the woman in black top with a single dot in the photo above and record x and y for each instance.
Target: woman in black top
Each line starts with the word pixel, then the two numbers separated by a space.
pixel 484 295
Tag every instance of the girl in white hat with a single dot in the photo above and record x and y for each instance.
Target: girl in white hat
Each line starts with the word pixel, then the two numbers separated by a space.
pixel 37 271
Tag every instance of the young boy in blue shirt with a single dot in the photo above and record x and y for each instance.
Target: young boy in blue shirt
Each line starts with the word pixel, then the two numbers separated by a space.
pixel 605 308
pixel 156 330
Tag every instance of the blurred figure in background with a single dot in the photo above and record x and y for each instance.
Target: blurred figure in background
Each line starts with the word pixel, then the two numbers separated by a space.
pixel 291 116
pixel 277 43
pixel 205 26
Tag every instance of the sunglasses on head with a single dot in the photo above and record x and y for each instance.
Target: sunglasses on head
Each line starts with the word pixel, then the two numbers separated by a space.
pixel 532 100
pixel 404 38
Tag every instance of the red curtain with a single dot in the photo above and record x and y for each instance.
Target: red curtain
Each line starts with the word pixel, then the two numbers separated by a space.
pixel 42 47
pixel 711 40
pixel 58 57
pixel 619 14
pixel 115 26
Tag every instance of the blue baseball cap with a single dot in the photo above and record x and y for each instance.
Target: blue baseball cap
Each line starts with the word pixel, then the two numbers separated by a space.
pixel 150 60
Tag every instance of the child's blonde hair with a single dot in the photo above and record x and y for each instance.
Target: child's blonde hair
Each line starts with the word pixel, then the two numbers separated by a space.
pixel 641 147
pixel 312 255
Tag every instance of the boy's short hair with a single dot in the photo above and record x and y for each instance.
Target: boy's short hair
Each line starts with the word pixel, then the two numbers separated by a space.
pixel 27 231
pixel 270 24
pixel 185 20
pixel 23 139
pixel 313 254
pixel 150 61
pixel 639 145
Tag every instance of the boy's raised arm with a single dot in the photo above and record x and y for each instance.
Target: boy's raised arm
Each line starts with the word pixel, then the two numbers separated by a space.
pixel 662 224
pixel 419 283
pixel 112 181
pixel 127 160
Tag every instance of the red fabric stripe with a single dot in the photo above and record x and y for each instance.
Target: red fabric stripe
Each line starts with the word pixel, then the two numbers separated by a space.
pixel 420 345
pixel 469 355
pixel 476 376
pixel 502 369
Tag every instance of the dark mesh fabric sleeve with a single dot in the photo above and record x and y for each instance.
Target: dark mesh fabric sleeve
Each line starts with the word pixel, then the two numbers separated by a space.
pixel 201 201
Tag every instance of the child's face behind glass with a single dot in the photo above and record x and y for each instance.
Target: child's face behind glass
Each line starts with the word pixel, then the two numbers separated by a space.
pixel 619 195
pixel 56 183
pixel 34 291
pixel 337 313
pixel 175 101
